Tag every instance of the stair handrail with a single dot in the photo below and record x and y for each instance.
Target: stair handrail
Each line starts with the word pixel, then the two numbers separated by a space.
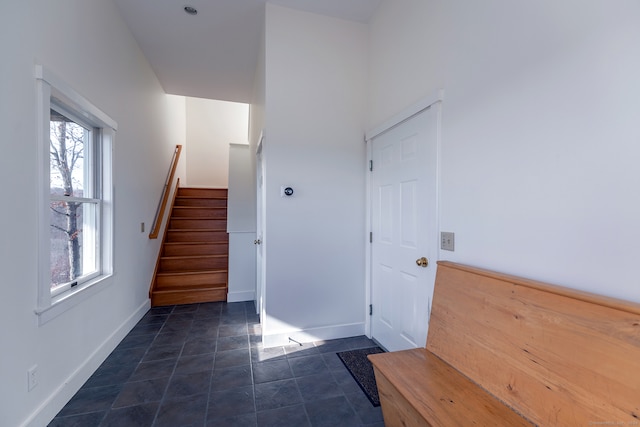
pixel 162 206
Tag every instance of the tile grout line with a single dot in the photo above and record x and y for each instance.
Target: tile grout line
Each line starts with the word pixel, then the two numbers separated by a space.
pixel 253 340
pixel 166 387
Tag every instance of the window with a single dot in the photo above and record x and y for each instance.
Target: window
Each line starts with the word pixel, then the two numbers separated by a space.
pixel 76 209
pixel 75 202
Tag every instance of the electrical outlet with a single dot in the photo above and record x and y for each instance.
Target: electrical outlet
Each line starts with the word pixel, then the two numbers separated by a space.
pixel 32 377
pixel 447 241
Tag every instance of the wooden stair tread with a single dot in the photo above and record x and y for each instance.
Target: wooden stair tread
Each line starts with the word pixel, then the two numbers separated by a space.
pixel 195 248
pixel 200 202
pixel 194 272
pixel 194 256
pixel 177 288
pixel 193 262
pixel 185 279
pixel 203 190
pixel 199 212
pixel 176 246
pixel 178 198
pixel 197 230
pixel 197 235
pixel 193 243
pixel 196 218
pixel 200 207
pixel 201 197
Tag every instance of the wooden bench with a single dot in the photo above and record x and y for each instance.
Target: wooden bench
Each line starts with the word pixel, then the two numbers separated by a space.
pixel 506 351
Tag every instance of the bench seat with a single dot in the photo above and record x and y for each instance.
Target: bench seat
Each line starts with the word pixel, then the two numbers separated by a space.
pixel 506 351
pixel 414 382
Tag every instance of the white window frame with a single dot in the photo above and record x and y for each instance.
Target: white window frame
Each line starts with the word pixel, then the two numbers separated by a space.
pixel 52 90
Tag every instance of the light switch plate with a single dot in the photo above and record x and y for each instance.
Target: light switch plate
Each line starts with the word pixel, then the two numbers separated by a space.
pixel 447 241
pixel 32 377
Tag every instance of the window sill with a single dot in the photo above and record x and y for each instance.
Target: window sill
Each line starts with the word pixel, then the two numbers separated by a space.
pixel 68 300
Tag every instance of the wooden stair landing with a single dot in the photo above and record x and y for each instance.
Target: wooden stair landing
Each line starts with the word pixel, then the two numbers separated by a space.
pixel 194 259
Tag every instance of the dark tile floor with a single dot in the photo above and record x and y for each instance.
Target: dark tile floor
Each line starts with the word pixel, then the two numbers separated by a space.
pixel 204 365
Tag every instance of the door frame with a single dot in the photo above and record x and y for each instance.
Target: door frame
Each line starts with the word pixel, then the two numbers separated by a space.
pixel 260 222
pixel 396 120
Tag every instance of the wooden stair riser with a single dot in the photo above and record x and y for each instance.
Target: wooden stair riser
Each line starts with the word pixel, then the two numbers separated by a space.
pixel 191 296
pixel 198 212
pixel 167 281
pixel 197 224
pixel 193 263
pixel 212 193
pixel 200 202
pixel 188 249
pixel 197 236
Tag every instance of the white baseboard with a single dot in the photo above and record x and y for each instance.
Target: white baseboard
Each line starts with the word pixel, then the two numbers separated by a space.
pixel 241 296
pixel 56 401
pixel 314 334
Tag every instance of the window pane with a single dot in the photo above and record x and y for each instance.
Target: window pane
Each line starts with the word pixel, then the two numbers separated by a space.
pixel 73 241
pixel 69 146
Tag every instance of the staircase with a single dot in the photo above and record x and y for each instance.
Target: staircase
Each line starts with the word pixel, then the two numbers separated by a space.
pixel 193 261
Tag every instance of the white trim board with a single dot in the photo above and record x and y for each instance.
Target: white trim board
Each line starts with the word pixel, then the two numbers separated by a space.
pixel 70 96
pixel 241 296
pixel 405 114
pixel 313 334
pixel 394 121
pixel 65 391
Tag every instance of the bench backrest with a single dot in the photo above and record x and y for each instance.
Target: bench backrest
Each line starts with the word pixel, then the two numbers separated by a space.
pixel 555 355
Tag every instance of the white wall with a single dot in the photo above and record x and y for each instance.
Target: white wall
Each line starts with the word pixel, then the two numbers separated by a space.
pixel 211 126
pixel 257 106
pixel 256 129
pixel 241 206
pixel 315 97
pixel 88 46
pixel 540 135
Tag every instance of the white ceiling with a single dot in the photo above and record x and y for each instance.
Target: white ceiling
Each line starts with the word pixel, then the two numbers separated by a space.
pixel 214 53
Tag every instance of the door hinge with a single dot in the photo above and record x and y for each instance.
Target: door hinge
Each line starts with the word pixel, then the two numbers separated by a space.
pixel 371 237
pixel 370 309
pixel 370 165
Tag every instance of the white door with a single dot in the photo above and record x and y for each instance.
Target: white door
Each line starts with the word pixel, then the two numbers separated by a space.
pixel 259 230
pixel 404 226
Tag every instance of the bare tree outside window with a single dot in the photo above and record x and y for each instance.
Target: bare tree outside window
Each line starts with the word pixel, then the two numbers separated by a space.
pixel 68 145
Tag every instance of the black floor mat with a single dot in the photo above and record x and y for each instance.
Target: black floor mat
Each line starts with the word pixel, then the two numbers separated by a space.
pixel 362 370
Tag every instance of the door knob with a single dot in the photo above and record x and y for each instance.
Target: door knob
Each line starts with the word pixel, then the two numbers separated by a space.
pixel 257 242
pixel 422 262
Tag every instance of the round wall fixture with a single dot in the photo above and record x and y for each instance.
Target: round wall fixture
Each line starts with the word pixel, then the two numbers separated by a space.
pixel 191 10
